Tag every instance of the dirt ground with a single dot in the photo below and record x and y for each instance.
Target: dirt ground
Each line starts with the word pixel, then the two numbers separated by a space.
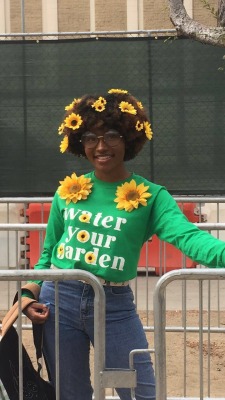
pixel 183 356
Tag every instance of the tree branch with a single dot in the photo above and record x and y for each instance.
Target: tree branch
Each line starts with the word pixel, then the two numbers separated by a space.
pixel 221 12
pixel 188 27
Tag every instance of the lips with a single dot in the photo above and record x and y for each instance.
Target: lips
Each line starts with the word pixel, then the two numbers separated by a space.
pixel 104 157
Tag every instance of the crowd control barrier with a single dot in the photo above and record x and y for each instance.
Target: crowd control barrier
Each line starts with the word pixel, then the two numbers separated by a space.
pixel 160 326
pixel 103 378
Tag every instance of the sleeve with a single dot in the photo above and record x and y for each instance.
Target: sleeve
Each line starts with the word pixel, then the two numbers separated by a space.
pixel 54 231
pixel 172 226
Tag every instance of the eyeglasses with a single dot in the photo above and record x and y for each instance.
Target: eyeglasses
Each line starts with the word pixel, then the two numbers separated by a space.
pixel 110 138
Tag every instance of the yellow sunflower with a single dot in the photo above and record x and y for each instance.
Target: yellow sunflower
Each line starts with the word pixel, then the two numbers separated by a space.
pixel 83 236
pixel 148 130
pixel 74 188
pixel 139 126
pixel 139 103
pixel 73 121
pixel 64 144
pixel 90 257
pixel 71 105
pixel 99 104
pixel 60 250
pixel 130 195
pixel 127 107
pixel 84 218
pixel 61 128
pixel 119 91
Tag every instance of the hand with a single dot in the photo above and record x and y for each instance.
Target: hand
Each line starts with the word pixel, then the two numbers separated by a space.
pixel 37 313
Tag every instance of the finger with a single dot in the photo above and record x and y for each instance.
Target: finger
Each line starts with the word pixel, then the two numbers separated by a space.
pixel 38 318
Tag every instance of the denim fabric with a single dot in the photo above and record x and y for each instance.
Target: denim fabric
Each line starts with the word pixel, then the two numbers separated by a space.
pixel 124 332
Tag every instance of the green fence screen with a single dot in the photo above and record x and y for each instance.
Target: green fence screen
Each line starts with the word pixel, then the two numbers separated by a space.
pixel 177 80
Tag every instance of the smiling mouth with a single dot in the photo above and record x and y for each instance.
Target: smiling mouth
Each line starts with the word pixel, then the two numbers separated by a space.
pixel 103 157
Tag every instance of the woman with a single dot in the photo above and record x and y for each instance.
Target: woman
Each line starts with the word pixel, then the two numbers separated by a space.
pixel 98 223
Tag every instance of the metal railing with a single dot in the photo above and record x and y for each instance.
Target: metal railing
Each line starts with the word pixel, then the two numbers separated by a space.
pixel 147 282
pixel 103 378
pixel 88 34
pixel 160 325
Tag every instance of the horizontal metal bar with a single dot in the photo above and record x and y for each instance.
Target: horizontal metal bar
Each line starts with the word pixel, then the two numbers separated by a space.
pixel 92 33
pixel 174 398
pixel 189 274
pixel 199 199
pixel 52 275
pixel 192 329
pixel 30 227
pixel 118 378
pixel 182 199
pixel 22 227
pixel 26 199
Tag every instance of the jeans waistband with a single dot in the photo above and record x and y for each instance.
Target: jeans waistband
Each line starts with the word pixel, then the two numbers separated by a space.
pixel 103 281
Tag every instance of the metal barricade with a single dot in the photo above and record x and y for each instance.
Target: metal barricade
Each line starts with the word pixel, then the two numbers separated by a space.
pixel 143 286
pixel 160 325
pixel 103 378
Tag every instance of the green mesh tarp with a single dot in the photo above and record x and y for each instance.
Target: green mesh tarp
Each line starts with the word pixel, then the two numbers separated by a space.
pixel 177 80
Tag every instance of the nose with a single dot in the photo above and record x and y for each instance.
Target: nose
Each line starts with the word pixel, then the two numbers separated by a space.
pixel 101 143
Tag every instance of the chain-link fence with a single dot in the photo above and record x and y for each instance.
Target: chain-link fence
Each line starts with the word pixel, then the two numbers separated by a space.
pixel 177 80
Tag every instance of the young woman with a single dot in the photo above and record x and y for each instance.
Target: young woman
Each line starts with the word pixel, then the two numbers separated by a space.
pixel 98 223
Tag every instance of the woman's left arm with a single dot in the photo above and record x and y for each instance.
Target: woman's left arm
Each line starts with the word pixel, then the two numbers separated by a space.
pixel 172 226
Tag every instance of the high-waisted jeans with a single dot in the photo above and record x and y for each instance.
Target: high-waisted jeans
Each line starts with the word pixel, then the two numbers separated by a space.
pixel 124 332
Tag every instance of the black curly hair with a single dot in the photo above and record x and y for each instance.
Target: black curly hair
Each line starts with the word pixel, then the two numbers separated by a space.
pixel 129 119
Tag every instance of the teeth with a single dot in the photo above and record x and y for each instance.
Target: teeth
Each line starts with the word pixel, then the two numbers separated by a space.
pixel 103 157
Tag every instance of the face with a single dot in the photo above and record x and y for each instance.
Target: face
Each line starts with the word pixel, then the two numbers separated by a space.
pixel 105 149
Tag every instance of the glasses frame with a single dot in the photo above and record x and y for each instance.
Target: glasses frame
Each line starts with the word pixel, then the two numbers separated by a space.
pixel 101 137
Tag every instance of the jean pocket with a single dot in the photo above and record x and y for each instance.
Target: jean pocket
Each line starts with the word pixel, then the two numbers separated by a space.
pixel 121 290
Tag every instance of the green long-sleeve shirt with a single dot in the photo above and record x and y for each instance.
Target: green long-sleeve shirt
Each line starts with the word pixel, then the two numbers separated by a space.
pixel 94 235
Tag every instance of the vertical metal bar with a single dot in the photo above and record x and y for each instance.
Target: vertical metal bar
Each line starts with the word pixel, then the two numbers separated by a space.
pixel 201 339
pixel 147 258
pixel 208 338
pixel 8 283
pixel 99 340
pixel 184 323
pixel 19 331
pixel 218 283
pixel 57 386
pixel 160 258
pixel 160 342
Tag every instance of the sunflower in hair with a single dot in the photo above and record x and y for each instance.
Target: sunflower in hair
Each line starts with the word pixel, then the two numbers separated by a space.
pixel 64 144
pixel 117 91
pixel 127 107
pixel 99 105
pixel 73 121
pixel 148 130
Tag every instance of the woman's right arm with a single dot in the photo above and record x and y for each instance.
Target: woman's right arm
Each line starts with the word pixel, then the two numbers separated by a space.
pixel 36 312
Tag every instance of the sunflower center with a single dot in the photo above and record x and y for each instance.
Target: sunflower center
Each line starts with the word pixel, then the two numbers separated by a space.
pixel 132 195
pixel 75 188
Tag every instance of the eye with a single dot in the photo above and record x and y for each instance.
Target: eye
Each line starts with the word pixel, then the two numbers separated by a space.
pixel 89 138
pixel 112 135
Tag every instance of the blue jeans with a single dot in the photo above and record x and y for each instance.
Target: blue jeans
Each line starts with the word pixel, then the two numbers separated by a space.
pixel 124 332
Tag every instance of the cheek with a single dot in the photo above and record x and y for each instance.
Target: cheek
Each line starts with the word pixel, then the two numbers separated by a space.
pixel 88 153
pixel 122 151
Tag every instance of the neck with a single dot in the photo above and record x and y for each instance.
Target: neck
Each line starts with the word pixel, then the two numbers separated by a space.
pixel 112 177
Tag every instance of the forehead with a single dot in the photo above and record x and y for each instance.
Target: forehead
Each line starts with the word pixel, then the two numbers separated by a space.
pixel 101 130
